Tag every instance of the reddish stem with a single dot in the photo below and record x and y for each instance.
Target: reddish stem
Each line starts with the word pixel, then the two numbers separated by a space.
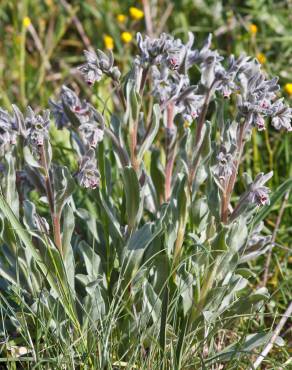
pixel 133 147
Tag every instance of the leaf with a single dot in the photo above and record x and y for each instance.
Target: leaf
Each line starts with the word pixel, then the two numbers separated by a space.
pixel 151 133
pixel 157 175
pixel 68 228
pixel 112 218
pixel 184 282
pixel 136 248
pixel 63 187
pixel 151 302
pixel 181 341
pixel 11 192
pixel 132 191
pixel 163 320
pixel 133 102
pixel 236 350
pixel 91 260
pixel 29 158
pixel 238 235
pixel 48 259
pixel 276 196
pixel 182 200
pixel 90 219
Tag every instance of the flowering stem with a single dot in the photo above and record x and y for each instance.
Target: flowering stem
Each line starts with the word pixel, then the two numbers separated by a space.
pixel 133 146
pixel 54 216
pixel 170 150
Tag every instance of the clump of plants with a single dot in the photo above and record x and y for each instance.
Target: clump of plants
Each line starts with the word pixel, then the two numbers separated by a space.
pixel 127 246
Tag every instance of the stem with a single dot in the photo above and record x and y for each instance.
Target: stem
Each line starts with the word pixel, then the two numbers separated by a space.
pixel 170 150
pixel 224 208
pixel 133 146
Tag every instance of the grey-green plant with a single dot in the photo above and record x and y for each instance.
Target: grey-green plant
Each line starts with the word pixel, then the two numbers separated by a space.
pixel 133 250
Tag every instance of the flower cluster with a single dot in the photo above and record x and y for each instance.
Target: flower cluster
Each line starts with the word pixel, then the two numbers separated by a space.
pixel 98 64
pixel 37 127
pixel 256 100
pixel 88 175
pixel 225 166
pixel 34 128
pixel 69 104
pixel 170 60
pixel 256 194
pixel 88 127
pixel 8 129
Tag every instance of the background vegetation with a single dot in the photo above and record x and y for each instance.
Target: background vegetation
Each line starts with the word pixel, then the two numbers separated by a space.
pixel 42 41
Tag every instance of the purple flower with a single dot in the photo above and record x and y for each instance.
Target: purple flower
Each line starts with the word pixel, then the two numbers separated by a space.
pixel 257 192
pixel 90 69
pixel 282 115
pixel 37 127
pixel 69 100
pixel 88 175
pixel 8 129
pixel 91 134
pixel 225 165
pixel 97 64
pixel 259 122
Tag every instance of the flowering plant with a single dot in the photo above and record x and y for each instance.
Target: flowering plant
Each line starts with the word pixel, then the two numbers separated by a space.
pixel 145 235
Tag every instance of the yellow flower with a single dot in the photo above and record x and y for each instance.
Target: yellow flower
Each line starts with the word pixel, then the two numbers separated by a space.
pixel 288 88
pixel 121 18
pixel 261 58
pixel 126 37
pixel 108 42
pixel 136 13
pixel 253 29
pixel 26 22
pixel 186 124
